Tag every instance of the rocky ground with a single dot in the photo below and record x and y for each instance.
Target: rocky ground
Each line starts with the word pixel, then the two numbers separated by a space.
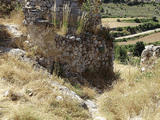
pixel 15 94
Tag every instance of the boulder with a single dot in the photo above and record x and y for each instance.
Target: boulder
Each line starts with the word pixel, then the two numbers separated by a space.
pixel 149 56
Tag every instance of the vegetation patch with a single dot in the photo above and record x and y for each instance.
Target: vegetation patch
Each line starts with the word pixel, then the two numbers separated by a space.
pixel 123 31
pixel 135 94
pixel 42 105
pixel 121 9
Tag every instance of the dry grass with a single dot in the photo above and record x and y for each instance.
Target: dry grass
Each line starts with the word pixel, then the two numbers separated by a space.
pixel 112 22
pixel 18 77
pixel 137 94
pixel 89 93
pixel 17 72
pixel 16 17
pixel 147 39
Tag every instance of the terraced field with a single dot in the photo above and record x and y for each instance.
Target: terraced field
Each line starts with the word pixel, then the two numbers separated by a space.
pixel 112 22
pixel 147 39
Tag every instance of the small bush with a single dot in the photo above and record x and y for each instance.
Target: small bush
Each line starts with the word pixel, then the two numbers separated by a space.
pixel 155 19
pixel 119 29
pixel 118 20
pixel 121 54
pixel 137 20
pixel 139 47
pixel 134 61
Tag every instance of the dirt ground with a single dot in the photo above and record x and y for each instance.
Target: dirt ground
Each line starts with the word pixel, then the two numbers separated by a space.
pixel 112 22
pixel 147 39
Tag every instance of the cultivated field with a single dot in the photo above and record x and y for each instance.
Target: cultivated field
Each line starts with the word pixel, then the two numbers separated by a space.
pixel 124 10
pixel 147 39
pixel 112 22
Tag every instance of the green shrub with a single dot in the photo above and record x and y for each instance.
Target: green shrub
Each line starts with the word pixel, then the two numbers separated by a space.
pixel 119 29
pixel 121 54
pixel 139 47
pixel 134 60
pixel 118 20
pixel 137 20
pixel 155 19
pixel 123 31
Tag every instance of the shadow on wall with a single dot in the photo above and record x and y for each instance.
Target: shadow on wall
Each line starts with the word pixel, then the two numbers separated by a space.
pixel 5 37
pixel 100 79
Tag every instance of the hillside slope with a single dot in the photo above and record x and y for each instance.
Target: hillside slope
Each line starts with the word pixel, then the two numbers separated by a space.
pixel 135 96
pixel 25 94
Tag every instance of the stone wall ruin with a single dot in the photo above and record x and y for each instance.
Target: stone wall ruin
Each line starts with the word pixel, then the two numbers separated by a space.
pixel 76 54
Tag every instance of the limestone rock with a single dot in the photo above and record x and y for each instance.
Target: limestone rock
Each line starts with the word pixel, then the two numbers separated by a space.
pixel 17 52
pixel 29 92
pixel 10 94
pixel 149 56
pixel 59 98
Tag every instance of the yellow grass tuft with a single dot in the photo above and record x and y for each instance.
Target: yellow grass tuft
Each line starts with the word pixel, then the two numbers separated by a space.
pixel 137 94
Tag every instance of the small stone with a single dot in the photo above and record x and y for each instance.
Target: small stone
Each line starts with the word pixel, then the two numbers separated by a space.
pixel 17 52
pixel 100 118
pixel 78 39
pixel 72 38
pixel 59 98
pixel 67 36
pixel 29 92
pixel 143 69
pixel 27 42
pixel 96 42
pixel 7 93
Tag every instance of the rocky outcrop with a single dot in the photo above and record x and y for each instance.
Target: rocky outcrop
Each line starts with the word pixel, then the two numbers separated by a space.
pixel 149 56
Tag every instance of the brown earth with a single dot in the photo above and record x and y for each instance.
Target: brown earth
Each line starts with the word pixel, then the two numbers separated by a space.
pixel 147 39
pixel 112 22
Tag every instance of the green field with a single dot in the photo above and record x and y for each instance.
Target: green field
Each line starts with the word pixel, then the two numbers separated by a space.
pixel 123 10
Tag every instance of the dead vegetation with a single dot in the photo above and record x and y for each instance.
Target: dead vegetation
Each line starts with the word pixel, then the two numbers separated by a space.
pixel 113 23
pixel 136 94
pixel 20 78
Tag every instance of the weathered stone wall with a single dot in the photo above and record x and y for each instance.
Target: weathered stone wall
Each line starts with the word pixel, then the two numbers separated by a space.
pixel 52 11
pixel 59 13
pixel 87 52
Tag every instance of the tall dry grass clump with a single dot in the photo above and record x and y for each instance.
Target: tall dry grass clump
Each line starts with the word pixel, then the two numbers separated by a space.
pixel 136 94
pixel 63 28
pixel 18 72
